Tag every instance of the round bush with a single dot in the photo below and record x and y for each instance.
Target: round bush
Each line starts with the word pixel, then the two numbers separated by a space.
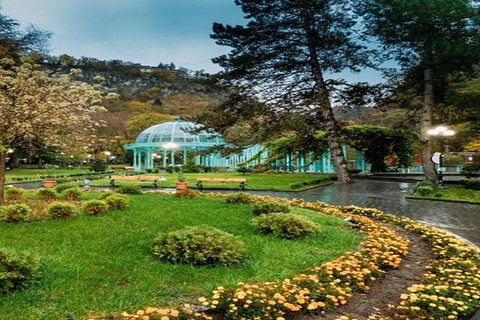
pixel 199 245
pixel 64 186
pixel 129 189
pixel 424 190
pixel 17 270
pixel 106 194
pixel 94 207
pixel 61 210
pixel 187 194
pixel 266 207
pixel 72 194
pixel 16 213
pixel 14 193
pixel 117 201
pixel 285 225
pixel 46 194
pixel 239 197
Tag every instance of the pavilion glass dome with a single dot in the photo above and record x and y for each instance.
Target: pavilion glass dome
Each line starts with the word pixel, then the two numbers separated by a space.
pixel 171 143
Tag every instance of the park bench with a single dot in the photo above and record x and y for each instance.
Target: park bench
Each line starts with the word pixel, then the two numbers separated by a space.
pixel 137 179
pixel 241 181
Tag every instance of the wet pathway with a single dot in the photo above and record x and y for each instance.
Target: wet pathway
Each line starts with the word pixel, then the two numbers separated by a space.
pixel 458 218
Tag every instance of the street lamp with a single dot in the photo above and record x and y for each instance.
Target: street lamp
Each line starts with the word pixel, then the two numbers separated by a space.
pixel 442 132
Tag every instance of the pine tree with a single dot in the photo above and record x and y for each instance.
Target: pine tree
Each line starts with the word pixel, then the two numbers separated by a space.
pixel 284 55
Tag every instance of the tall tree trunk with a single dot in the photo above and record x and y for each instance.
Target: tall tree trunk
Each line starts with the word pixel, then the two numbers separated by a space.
pixel 426 124
pixel 3 157
pixel 325 112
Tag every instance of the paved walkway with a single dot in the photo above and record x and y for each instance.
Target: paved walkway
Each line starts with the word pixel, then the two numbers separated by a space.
pixel 458 218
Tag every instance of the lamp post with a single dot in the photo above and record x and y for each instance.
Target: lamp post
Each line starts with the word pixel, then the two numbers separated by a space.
pixel 442 132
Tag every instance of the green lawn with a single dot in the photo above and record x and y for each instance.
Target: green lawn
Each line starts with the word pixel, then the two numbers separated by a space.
pixel 34 173
pixel 453 192
pixel 255 181
pixel 102 265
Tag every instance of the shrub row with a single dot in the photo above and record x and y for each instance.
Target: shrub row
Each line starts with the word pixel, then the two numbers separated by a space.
pixel 298 185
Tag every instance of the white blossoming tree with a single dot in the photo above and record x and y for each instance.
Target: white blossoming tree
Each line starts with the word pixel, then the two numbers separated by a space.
pixel 38 108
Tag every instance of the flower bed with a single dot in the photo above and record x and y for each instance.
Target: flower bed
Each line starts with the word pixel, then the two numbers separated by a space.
pixel 321 288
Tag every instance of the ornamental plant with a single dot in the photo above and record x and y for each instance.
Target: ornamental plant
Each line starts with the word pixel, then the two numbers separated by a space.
pixel 60 210
pixel 16 213
pixel 94 207
pixel 117 201
pixel 72 194
pixel 200 246
pixel 14 194
pixel 239 197
pixel 187 194
pixel 285 225
pixel 64 186
pixel 266 207
pixel 17 270
pixel 46 194
pixel 129 189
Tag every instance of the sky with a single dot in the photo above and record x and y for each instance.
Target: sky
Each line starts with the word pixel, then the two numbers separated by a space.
pixel 148 32
pixel 141 31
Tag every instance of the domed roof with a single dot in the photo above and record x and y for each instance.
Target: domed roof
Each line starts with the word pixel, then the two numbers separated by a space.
pixel 178 132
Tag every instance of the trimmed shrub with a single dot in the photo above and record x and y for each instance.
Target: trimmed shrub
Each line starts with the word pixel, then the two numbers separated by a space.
pixel 61 210
pixel 471 184
pixel 107 194
pixel 16 213
pixel 72 194
pixel 17 270
pixel 199 245
pixel 64 186
pixel 117 201
pixel 94 207
pixel 239 197
pixel 129 189
pixel 285 225
pixel 266 207
pixel 424 190
pixel 187 194
pixel 14 193
pixel 46 194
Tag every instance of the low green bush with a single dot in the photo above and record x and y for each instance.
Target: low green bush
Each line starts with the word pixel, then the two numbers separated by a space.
pixel 424 190
pixel 200 246
pixel 471 170
pixel 471 184
pixel 60 210
pixel 94 207
pixel 64 186
pixel 187 194
pixel 129 189
pixel 72 194
pixel 285 225
pixel 117 201
pixel 266 207
pixel 46 194
pixel 17 270
pixel 14 193
pixel 107 194
pixel 16 213
pixel 239 197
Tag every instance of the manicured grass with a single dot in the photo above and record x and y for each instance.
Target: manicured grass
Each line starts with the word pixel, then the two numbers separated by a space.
pixel 102 265
pixel 455 193
pixel 33 173
pixel 255 181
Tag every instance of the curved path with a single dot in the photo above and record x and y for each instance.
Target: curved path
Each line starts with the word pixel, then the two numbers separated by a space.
pixel 458 218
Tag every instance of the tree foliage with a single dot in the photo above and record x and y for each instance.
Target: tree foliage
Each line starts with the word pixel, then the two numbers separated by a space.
pixel 41 109
pixel 431 40
pixel 377 143
pixel 283 54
